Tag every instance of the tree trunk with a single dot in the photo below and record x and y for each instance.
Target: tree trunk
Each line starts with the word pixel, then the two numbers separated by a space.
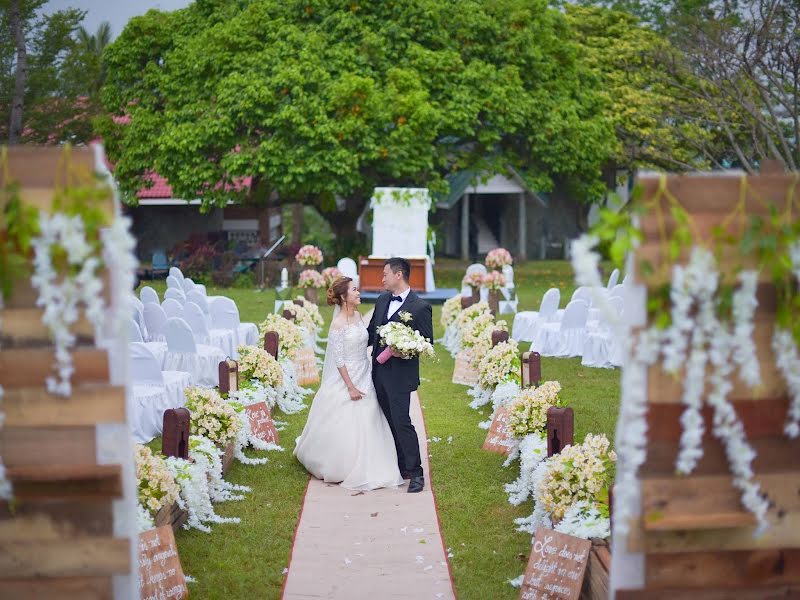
pixel 21 75
pixel 297 224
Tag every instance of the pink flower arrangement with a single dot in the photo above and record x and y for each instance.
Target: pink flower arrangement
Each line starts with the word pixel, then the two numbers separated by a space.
pixel 331 274
pixel 311 279
pixel 494 280
pixel 473 280
pixel 309 256
pixel 498 258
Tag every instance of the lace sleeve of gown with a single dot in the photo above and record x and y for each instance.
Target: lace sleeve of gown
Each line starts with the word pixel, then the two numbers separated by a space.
pixel 336 343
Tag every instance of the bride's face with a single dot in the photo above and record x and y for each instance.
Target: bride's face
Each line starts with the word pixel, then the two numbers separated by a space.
pixel 353 297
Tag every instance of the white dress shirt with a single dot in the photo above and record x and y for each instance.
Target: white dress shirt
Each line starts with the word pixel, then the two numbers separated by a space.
pixel 394 305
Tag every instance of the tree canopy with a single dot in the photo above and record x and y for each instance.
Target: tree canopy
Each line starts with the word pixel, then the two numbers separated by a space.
pixel 321 101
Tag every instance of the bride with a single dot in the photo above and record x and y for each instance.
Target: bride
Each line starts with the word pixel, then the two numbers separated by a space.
pixel 346 438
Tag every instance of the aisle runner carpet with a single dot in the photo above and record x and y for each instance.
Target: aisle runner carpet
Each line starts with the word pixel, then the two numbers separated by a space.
pixel 381 544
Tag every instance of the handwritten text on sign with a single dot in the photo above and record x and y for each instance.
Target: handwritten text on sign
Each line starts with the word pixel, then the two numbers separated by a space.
pixel 498 439
pixel 160 573
pixel 261 423
pixel 556 566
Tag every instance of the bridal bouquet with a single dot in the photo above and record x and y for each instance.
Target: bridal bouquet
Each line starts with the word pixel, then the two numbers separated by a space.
pixel 403 340
pixel 309 256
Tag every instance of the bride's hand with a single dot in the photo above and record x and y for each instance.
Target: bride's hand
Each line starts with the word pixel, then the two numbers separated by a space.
pixel 355 393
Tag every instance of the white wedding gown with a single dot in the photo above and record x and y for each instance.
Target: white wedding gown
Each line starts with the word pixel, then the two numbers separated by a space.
pixel 348 441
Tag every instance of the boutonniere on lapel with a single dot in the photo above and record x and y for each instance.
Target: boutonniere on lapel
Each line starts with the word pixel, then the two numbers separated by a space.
pixel 405 316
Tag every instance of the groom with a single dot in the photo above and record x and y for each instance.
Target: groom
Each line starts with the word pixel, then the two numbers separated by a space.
pixel 397 377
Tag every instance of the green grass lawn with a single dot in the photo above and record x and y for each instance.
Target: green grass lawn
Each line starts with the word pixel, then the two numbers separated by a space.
pixel 247 560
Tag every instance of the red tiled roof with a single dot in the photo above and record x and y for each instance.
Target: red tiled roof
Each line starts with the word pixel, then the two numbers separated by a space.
pixel 161 188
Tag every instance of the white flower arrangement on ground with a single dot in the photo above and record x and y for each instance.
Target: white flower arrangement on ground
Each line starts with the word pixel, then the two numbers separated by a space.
pixel 155 484
pixel 290 394
pixel 309 256
pixel 311 279
pixel 258 364
pixel 450 311
pixel 585 520
pixel 314 316
pixel 211 416
pixel 476 337
pixel 531 451
pixel 473 280
pixel 499 258
pixel 500 364
pixel 290 335
pixel 205 453
pixel 404 340
pixel 528 411
pixel 330 275
pixel 494 281
pixel 449 320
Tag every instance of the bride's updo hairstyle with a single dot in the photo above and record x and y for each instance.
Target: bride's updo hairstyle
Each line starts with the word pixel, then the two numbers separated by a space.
pixel 338 291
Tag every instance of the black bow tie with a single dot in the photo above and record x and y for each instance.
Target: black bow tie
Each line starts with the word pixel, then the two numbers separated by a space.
pixel 396 299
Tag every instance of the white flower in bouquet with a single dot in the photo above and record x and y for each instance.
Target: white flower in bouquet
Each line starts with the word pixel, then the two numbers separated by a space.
pixel 144 520
pixel 528 412
pixel 494 281
pixel 532 451
pixel 473 312
pixel 586 520
pixel 211 416
pixel 290 335
pixel 580 473
pixel 156 485
pixel 309 256
pixel 405 341
pixel 256 363
pixel 310 279
pixel 499 258
pixel 499 365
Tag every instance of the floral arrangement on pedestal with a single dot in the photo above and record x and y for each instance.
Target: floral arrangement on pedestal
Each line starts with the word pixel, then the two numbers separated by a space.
pixel 494 281
pixel 311 279
pixel 473 280
pixel 303 316
pixel 257 364
pixel 570 490
pixel 155 483
pixel 499 365
pixel 211 416
pixel 331 274
pixel 499 258
pixel 290 335
pixel 476 335
pixel 309 256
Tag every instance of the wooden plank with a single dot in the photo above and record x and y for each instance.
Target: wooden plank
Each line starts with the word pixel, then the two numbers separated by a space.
pixel 62 588
pixel 781 534
pixel 654 253
pixel 783 592
pixel 596 580
pixel 88 405
pixel 20 368
pixel 761 418
pixel 56 519
pixel 711 502
pixel 29 446
pixel 663 388
pixel 773 454
pixel 710 569
pixel 23 326
pixel 91 556
pixel 66 481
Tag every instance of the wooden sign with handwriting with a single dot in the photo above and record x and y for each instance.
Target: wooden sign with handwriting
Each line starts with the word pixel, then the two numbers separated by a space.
pixel 160 572
pixel 556 567
pixel 261 423
pixel 464 373
pixel 498 440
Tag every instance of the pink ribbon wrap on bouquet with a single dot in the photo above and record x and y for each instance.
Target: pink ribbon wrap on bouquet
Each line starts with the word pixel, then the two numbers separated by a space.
pixel 385 355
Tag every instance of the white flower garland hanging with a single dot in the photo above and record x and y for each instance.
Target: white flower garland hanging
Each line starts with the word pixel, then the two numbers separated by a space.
pixel 788 358
pixel 61 294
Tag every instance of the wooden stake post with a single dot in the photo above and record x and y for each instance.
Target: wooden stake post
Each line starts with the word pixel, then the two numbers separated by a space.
pixel 693 538
pixel 175 433
pixel 70 530
pixel 228 376
pixel 531 369
pixel 560 429
pixel 272 343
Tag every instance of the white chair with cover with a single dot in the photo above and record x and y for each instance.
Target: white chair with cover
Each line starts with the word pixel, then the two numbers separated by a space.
pixel 172 308
pixel 173 283
pixel 613 279
pixel 528 322
pixel 135 336
pixel 199 287
pixel 148 295
pixel 187 285
pixel 176 273
pixel 221 338
pixel 603 349
pixel 175 294
pixel 348 268
pixel 146 376
pixel 225 315
pixel 156 320
pixel 618 291
pixel 582 293
pixel 138 315
pixel 184 354
pixel 566 338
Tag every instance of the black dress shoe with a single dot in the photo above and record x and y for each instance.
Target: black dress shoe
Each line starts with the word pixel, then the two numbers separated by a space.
pixel 417 484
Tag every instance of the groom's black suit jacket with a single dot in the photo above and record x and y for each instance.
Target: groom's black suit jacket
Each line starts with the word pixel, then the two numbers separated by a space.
pixel 403 373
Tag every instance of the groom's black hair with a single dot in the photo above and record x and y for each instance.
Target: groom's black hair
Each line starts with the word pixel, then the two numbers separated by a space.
pixel 400 264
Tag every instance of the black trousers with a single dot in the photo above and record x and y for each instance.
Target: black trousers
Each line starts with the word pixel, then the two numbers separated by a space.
pixel 395 406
